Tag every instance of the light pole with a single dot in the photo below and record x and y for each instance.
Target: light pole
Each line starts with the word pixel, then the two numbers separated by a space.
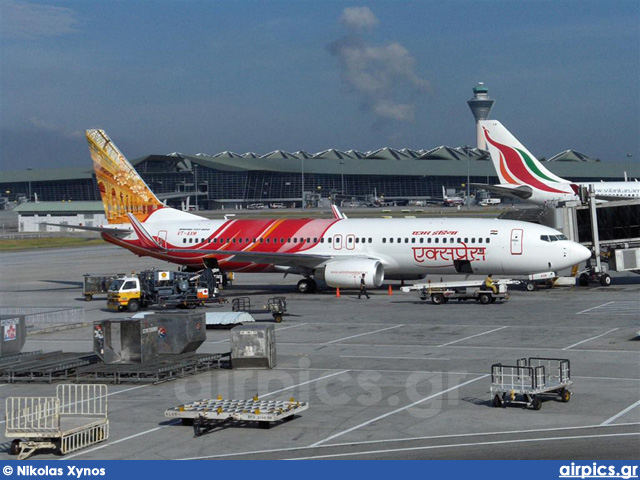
pixel 302 174
pixel 29 170
pixel 629 166
pixel 342 175
pixel 468 186
pixel 195 180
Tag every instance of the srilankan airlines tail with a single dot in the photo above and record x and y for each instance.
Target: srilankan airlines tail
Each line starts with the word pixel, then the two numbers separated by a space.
pixel 519 171
pixel 123 191
pixel 523 176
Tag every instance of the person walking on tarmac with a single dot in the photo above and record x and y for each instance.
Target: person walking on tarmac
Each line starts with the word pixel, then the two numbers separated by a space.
pixel 363 288
pixel 489 285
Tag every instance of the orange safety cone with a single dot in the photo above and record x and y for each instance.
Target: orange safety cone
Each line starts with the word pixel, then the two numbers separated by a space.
pixel 390 290
pixel 338 292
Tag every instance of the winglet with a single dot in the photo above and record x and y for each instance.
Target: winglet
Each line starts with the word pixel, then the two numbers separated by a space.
pixel 337 214
pixel 145 237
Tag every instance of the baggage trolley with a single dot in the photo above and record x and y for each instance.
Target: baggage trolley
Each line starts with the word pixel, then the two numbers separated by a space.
pixel 529 381
pixel 75 418
pixel 208 413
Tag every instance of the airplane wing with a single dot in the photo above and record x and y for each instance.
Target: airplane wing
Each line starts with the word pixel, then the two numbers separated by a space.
pixel 522 191
pixel 117 232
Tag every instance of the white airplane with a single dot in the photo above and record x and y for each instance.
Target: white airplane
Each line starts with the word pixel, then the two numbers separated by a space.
pixel 451 201
pixel 337 251
pixel 523 176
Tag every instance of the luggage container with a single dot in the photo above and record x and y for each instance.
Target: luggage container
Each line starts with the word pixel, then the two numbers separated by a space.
pixel 97 284
pixel 253 346
pixel 75 418
pixel 132 340
pixel 13 334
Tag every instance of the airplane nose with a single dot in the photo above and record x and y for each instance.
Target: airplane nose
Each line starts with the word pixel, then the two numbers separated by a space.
pixel 579 254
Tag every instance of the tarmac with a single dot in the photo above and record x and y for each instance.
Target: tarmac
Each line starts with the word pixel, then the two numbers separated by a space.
pixel 387 378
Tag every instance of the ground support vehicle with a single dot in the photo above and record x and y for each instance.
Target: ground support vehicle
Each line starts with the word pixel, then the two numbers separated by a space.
pixel 97 284
pixel 277 306
pixel 529 381
pixel 75 418
pixel 163 289
pixel 209 413
pixel 442 292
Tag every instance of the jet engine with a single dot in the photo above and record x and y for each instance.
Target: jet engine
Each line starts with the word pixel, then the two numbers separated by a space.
pixel 347 273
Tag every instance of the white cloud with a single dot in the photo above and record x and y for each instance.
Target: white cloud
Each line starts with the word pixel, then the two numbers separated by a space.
pixel 28 21
pixel 359 17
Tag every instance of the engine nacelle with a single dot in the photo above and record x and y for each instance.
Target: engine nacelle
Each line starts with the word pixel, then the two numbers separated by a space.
pixel 347 273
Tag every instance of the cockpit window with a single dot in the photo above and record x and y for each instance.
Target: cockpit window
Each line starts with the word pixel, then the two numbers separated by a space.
pixel 562 237
pixel 544 238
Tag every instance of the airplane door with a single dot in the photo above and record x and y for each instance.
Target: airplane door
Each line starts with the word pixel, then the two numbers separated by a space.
pixel 337 242
pixel 162 238
pixel 351 242
pixel 516 241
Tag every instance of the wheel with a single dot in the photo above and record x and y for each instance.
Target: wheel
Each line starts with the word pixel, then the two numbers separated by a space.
pixel 605 279
pixel 88 297
pixel 583 280
pixel 278 318
pixel 134 305
pixel 537 403
pixel 306 285
pixel 437 298
pixel 531 286
pixel 497 401
pixel 484 298
pixel 14 449
pixel 565 395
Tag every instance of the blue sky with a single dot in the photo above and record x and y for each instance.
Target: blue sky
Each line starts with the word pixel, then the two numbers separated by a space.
pixel 205 76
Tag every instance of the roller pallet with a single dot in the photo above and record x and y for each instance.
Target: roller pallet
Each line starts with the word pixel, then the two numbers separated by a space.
pixel 170 367
pixel 44 367
pixel 204 415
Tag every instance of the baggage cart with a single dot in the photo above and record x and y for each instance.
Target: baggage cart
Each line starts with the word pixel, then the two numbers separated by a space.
pixel 442 292
pixel 530 380
pixel 206 414
pixel 97 284
pixel 75 418
pixel 276 306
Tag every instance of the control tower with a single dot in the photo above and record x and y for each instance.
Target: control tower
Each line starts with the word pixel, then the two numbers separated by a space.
pixel 480 106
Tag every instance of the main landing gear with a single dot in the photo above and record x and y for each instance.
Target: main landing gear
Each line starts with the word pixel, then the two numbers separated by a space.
pixel 307 285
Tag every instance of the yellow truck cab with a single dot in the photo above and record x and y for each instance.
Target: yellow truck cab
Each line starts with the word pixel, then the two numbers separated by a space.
pixel 124 293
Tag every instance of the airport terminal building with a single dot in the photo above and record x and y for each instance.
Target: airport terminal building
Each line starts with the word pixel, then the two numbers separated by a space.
pixel 228 180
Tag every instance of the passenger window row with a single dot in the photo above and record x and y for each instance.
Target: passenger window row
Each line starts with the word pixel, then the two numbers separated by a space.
pixel 351 239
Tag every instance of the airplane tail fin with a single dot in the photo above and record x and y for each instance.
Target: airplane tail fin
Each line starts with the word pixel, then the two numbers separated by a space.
pixel 513 163
pixel 122 190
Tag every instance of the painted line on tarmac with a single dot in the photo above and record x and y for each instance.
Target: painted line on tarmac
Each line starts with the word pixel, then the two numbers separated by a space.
pixel 462 445
pixel 290 326
pixel 303 383
pixel 362 334
pixel 472 336
pixel 593 308
pixel 589 339
pixel 396 440
pixel 406 407
pixel 618 415
pixel 395 358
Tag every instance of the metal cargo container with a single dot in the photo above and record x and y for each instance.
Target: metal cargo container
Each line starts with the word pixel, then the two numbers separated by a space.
pixel 132 340
pixel 253 346
pixel 13 333
pixel 180 332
